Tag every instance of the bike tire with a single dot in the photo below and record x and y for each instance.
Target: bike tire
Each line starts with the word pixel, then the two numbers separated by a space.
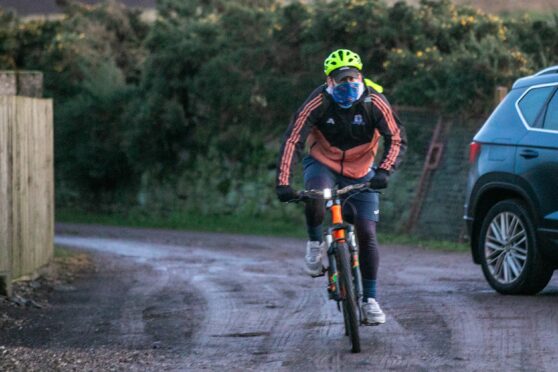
pixel 349 297
pixel 346 318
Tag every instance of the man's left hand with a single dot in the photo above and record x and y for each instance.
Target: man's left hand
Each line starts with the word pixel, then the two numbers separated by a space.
pixel 380 180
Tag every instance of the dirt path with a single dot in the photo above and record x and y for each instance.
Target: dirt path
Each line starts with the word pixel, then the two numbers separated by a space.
pixel 167 300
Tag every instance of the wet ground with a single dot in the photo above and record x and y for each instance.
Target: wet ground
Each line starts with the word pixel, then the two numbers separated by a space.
pixel 168 300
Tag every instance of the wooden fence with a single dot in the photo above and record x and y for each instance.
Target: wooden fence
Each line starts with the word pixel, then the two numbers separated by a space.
pixel 26 186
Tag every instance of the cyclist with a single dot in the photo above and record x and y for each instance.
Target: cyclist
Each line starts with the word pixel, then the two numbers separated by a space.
pixel 342 122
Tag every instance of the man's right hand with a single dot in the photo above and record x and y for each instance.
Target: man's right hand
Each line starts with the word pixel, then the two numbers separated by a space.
pixel 286 193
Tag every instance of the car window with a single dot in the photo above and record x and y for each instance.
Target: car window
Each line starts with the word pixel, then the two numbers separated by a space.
pixel 532 103
pixel 551 117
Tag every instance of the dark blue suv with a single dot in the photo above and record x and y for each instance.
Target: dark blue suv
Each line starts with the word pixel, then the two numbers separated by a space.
pixel 511 209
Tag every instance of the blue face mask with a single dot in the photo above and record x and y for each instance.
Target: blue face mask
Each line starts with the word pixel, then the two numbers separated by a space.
pixel 345 94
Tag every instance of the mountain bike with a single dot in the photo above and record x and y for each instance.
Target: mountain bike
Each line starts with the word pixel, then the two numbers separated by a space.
pixel 343 271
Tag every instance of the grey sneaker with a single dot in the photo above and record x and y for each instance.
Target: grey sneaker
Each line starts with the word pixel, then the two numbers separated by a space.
pixel 372 314
pixel 313 258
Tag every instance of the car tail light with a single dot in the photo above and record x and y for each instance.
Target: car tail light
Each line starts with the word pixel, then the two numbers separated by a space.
pixel 474 151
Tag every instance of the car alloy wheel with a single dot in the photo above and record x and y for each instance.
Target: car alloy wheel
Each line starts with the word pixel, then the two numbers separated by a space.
pixel 509 253
pixel 506 247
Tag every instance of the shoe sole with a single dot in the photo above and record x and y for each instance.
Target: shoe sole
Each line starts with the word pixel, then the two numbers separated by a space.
pixel 313 273
pixel 372 324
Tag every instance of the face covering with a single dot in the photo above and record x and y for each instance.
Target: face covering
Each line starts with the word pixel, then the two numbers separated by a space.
pixel 345 94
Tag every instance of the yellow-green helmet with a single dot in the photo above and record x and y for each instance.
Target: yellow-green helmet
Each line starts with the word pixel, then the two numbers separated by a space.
pixel 341 58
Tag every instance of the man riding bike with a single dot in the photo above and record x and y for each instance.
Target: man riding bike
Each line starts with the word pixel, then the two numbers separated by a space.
pixel 342 122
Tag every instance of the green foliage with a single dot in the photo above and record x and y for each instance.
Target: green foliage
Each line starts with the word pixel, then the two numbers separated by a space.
pixel 90 152
pixel 451 57
pixel 91 60
pixel 538 39
pixel 187 112
pixel 8 36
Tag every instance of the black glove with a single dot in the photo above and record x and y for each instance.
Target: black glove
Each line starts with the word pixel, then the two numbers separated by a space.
pixel 286 193
pixel 380 180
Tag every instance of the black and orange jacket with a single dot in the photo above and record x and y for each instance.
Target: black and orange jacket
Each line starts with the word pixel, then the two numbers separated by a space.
pixel 344 140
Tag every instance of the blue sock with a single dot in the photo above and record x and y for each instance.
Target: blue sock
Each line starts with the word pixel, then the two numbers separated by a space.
pixel 315 233
pixel 368 289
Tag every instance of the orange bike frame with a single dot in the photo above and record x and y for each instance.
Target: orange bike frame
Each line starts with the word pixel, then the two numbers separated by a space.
pixel 337 218
pixel 339 235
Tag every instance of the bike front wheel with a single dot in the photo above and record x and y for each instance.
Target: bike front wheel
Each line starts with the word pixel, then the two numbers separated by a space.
pixel 348 296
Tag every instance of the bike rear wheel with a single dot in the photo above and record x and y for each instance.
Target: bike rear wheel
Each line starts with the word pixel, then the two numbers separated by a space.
pixel 348 296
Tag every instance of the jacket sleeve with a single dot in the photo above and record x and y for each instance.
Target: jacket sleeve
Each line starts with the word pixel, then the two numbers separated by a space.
pixel 296 134
pixel 393 131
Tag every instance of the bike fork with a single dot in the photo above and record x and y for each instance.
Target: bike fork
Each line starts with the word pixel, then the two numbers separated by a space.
pixel 332 276
pixel 355 264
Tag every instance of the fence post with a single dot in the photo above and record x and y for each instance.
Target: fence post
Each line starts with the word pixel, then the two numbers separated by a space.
pixel 7 88
pixel 499 94
pixel 26 176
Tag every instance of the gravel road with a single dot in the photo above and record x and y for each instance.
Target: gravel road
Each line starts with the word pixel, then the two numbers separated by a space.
pixel 168 300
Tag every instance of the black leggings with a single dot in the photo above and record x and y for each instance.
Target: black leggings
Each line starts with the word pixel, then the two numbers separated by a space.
pixel 365 229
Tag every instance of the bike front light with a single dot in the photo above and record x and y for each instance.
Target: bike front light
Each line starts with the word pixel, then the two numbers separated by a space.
pixel 327 193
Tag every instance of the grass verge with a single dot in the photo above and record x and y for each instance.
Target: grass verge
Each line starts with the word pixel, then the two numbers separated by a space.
pixel 233 224
pixel 188 221
pixel 63 253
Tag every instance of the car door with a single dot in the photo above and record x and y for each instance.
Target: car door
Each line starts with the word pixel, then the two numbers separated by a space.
pixel 537 162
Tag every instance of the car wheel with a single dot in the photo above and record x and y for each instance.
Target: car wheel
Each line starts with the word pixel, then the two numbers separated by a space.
pixel 510 259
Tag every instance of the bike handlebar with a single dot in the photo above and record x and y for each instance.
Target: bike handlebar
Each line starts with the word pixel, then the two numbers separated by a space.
pixel 331 193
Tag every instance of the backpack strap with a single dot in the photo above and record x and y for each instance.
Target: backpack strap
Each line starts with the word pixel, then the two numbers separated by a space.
pixel 377 87
pixel 372 88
